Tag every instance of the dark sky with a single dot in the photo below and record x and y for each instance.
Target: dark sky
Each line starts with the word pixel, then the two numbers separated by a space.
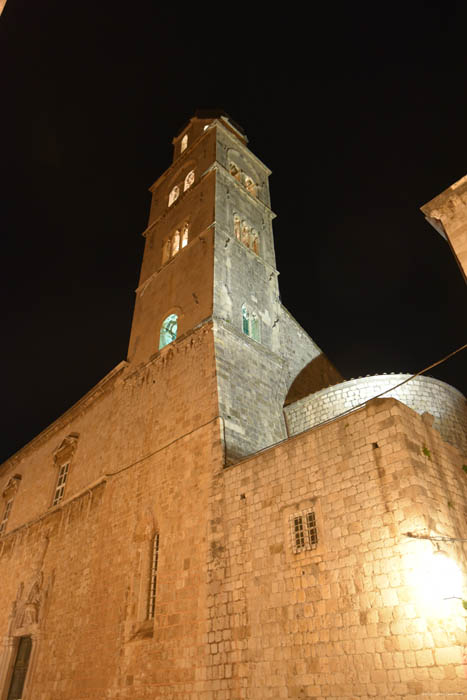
pixel 360 112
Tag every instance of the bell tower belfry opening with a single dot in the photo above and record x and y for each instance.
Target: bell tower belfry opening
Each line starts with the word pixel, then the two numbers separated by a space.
pixel 209 261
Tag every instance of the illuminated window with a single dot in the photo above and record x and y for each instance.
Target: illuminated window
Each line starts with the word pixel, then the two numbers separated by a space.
pixel 250 185
pixel 184 143
pixel 153 578
pixel 61 482
pixel 250 323
pixel 246 235
pixel 185 230
pixel 235 171
pixel 303 531
pixel 174 194
pixel 189 180
pixel 168 331
pixel 175 243
pixel 6 515
pixel 237 227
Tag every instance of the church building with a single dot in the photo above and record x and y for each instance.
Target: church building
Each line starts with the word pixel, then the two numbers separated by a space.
pixel 223 516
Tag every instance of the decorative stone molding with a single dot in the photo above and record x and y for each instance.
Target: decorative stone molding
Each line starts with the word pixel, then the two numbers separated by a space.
pixel 66 449
pixel 12 487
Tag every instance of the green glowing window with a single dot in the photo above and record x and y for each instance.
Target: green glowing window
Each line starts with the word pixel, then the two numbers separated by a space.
pixel 250 323
pixel 168 330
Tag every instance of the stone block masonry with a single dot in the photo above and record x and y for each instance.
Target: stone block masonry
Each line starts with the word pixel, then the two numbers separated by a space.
pixel 424 394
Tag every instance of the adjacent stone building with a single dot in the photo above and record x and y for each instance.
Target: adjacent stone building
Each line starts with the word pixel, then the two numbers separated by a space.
pixel 179 534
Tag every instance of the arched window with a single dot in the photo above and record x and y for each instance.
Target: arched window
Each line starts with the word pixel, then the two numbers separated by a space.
pixel 250 185
pixel 245 234
pixel 235 170
pixel 254 243
pixel 168 330
pixel 173 196
pixel 166 250
pixel 237 227
pixel 250 323
pixel 175 243
pixel 189 180
pixel 184 143
pixel 185 230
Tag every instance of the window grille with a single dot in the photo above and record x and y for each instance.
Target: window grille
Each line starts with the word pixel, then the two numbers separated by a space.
pixel 6 515
pixel 61 481
pixel 153 578
pixel 303 531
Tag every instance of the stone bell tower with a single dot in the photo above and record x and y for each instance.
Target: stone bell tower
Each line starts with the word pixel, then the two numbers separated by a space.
pixel 209 261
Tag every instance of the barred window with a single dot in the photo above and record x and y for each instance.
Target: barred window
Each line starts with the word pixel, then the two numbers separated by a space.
pixel 153 578
pixel 61 482
pixel 303 531
pixel 6 515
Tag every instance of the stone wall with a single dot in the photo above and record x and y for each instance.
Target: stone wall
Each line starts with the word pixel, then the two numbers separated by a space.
pixel 349 619
pixel 423 394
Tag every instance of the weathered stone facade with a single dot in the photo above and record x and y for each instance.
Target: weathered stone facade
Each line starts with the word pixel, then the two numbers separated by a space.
pixel 165 539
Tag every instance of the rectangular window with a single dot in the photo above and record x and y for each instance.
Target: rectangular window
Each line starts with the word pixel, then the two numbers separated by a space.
pixel 6 515
pixel 20 668
pixel 153 578
pixel 61 481
pixel 303 531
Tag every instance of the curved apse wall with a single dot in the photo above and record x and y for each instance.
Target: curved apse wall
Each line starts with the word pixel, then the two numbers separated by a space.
pixel 422 394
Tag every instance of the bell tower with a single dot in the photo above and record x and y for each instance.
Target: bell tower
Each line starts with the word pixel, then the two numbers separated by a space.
pixel 209 262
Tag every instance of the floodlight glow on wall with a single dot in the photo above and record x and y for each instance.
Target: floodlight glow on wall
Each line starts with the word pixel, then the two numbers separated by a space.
pixel 436 577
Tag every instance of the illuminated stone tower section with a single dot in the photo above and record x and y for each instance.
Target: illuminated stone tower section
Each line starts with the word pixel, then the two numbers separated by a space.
pixel 209 265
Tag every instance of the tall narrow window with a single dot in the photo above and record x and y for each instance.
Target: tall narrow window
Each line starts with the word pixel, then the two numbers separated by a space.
pixel 153 577
pixel 184 143
pixel 61 482
pixel 175 243
pixel 237 227
pixel 20 669
pixel 185 235
pixel 189 180
pixel 6 515
pixel 250 323
pixel 166 250
pixel 173 196
pixel 168 330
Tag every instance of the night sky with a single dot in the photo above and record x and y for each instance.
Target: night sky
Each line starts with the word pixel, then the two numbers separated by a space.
pixel 360 111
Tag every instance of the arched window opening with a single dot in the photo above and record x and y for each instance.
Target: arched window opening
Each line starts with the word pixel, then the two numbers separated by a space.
pixel 237 227
pixel 184 143
pixel 254 243
pixel 174 194
pixel 250 185
pixel 166 250
pixel 246 235
pixel 189 180
pixel 168 330
pixel 235 171
pixel 175 243
pixel 250 323
pixel 185 235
